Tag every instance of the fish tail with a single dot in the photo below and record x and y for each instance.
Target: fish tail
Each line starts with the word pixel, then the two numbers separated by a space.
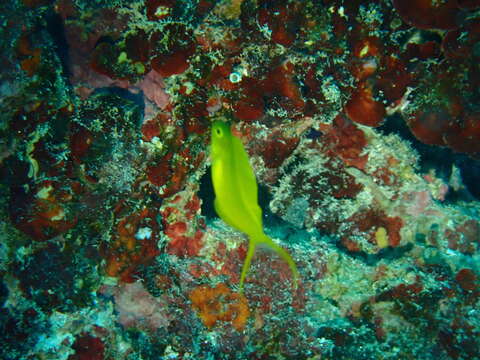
pixel 284 255
pixel 246 264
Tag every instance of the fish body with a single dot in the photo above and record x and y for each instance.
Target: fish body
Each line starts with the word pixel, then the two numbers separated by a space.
pixel 236 194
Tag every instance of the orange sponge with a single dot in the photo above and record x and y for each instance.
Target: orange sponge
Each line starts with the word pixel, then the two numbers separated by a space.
pixel 220 304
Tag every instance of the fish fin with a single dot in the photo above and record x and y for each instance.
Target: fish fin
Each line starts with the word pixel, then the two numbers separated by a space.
pixel 284 255
pixel 246 263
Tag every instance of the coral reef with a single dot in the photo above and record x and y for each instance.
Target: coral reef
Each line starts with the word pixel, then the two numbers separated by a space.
pixel 362 125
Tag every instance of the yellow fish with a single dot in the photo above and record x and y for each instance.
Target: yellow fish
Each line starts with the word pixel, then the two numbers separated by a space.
pixel 236 192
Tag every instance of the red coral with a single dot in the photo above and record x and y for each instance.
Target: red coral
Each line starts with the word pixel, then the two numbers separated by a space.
pixel 24 122
pixel 424 51
pixel 428 14
pixel 342 185
pixel 41 213
pixel 80 141
pixel 219 77
pixel 169 174
pixel 346 140
pixel 277 149
pixel 232 260
pixel 171 64
pixel 249 108
pixel 183 226
pixel 282 21
pixel 196 117
pixel 366 52
pixel 194 125
pixel 403 292
pixel 393 78
pixel 179 48
pixel 184 246
pixel 150 129
pixel 441 127
pixel 193 206
pixel 451 120
pixel 454 45
pixel 465 237
pixel 384 176
pixel 204 6
pixel 371 220
pixel 88 347
pixel 154 127
pixel 379 73
pixel 176 230
pixel 363 109
pixel 214 104
pixel 429 126
pixel 470 231
pixel 393 226
pixel 281 82
pixel 467 279
pixel 160 174
pixel 31 63
pixel 459 43
pixel 132 247
pixel 350 244
pixel 251 105
pixel 465 137
pixel 178 178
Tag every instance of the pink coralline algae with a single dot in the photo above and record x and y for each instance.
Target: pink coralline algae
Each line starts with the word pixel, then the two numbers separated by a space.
pixel 152 86
pixel 137 308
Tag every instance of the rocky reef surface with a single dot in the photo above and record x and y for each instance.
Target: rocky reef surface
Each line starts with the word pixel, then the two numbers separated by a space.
pixel 362 123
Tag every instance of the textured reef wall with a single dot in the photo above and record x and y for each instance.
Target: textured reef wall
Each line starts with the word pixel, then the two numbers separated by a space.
pixel 362 122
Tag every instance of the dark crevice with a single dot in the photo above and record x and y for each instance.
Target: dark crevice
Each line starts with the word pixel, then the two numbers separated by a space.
pixel 441 159
pixel 206 193
pixel 57 31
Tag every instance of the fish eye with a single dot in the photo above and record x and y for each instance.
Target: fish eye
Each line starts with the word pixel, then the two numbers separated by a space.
pixel 219 132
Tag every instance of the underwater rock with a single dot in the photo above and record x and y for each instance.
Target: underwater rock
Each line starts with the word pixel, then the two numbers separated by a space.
pixel 362 127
